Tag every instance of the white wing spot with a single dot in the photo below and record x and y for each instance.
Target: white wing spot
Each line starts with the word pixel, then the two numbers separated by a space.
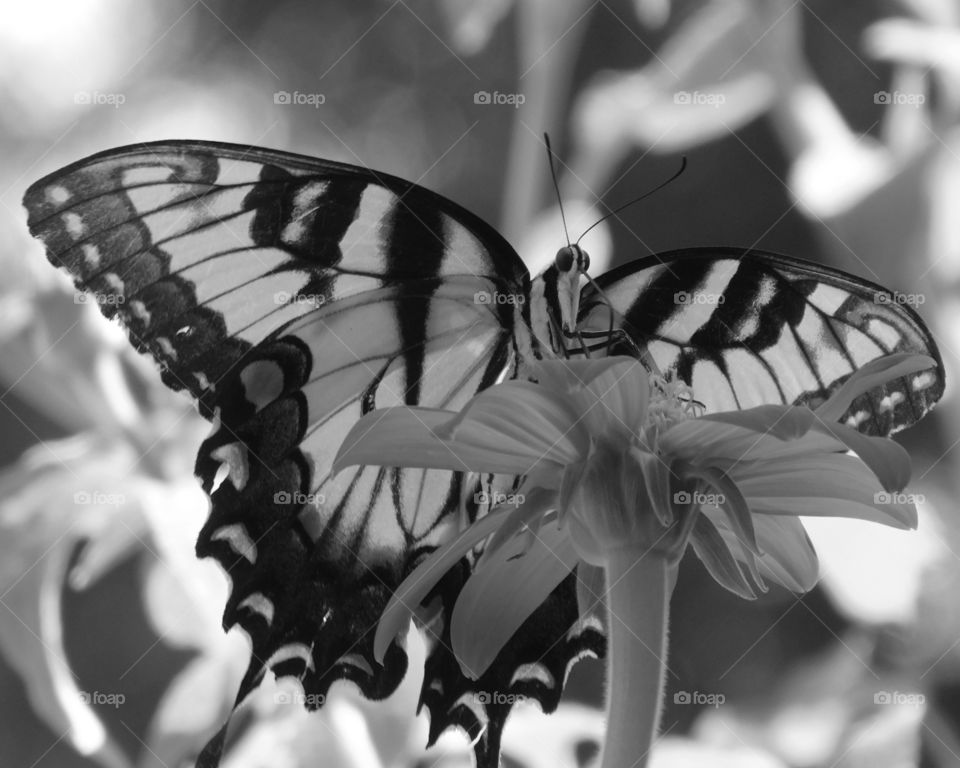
pixel 202 380
pixel 472 702
pixel 292 651
pixel 74 224
pixel 259 604
pixel 856 419
pixel 58 194
pixel 304 203
pixel 891 401
pixel 239 540
pixel 235 456
pixel 139 310
pixel 582 625
pixel 113 280
pixel 539 672
pixel 166 347
pixel 923 381
pixel 356 661
pixel 91 256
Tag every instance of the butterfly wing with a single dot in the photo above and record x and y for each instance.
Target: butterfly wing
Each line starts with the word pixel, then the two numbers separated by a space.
pixel 745 327
pixel 290 295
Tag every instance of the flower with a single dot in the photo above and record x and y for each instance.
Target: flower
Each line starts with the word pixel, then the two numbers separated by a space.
pixel 620 472
pixel 613 458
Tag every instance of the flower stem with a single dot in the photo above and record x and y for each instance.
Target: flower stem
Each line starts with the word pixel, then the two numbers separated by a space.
pixel 639 601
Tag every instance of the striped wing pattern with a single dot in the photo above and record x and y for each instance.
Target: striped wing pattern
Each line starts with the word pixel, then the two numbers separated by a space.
pixel 289 296
pixel 747 327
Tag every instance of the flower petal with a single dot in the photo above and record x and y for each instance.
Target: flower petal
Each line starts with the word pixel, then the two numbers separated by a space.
pixel 491 607
pixel 570 375
pixel 709 441
pixel 523 418
pixel 888 460
pixel 786 422
pixel 534 505
pixel 424 577
pixel 656 485
pixel 713 552
pixel 419 437
pixel 873 374
pixel 788 556
pixel 733 505
pixel 834 485
pixel 616 398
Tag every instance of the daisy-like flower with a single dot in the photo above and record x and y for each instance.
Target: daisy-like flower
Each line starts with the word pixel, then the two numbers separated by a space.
pixel 621 472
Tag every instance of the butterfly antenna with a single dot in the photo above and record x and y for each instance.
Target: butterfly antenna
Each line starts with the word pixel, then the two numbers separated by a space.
pixel 556 185
pixel 661 185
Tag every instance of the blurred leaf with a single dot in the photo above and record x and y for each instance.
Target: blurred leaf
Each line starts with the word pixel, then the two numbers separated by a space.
pixel 43 517
pixel 822 709
pixel 676 752
pixel 652 13
pixel 472 22
pixel 716 73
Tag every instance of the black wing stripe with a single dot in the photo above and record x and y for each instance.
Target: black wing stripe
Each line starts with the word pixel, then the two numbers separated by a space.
pixel 784 330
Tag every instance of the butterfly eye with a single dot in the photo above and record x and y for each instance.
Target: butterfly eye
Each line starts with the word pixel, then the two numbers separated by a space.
pixel 584 261
pixel 564 259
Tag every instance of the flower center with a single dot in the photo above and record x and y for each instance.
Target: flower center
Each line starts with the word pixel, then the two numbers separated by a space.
pixel 670 402
pixel 622 494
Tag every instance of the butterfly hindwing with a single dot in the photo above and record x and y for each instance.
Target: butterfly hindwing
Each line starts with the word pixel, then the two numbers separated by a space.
pixel 748 327
pixel 290 295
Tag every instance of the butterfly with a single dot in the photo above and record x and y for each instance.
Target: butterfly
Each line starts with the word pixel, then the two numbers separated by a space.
pixel 290 295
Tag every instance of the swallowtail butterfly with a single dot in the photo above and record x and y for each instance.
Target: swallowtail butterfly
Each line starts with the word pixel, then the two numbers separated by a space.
pixel 289 295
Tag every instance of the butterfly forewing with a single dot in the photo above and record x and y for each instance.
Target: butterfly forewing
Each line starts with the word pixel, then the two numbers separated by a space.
pixel 747 328
pixel 290 295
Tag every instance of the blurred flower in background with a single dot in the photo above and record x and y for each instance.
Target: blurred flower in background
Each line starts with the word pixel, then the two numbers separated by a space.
pixel 824 130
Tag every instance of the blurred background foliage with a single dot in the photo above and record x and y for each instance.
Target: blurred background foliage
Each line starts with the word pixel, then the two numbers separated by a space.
pixel 819 129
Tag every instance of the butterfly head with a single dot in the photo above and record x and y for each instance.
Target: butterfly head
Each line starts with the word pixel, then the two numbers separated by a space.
pixel 570 262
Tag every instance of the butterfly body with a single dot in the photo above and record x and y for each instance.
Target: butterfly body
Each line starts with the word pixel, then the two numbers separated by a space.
pixel 291 295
